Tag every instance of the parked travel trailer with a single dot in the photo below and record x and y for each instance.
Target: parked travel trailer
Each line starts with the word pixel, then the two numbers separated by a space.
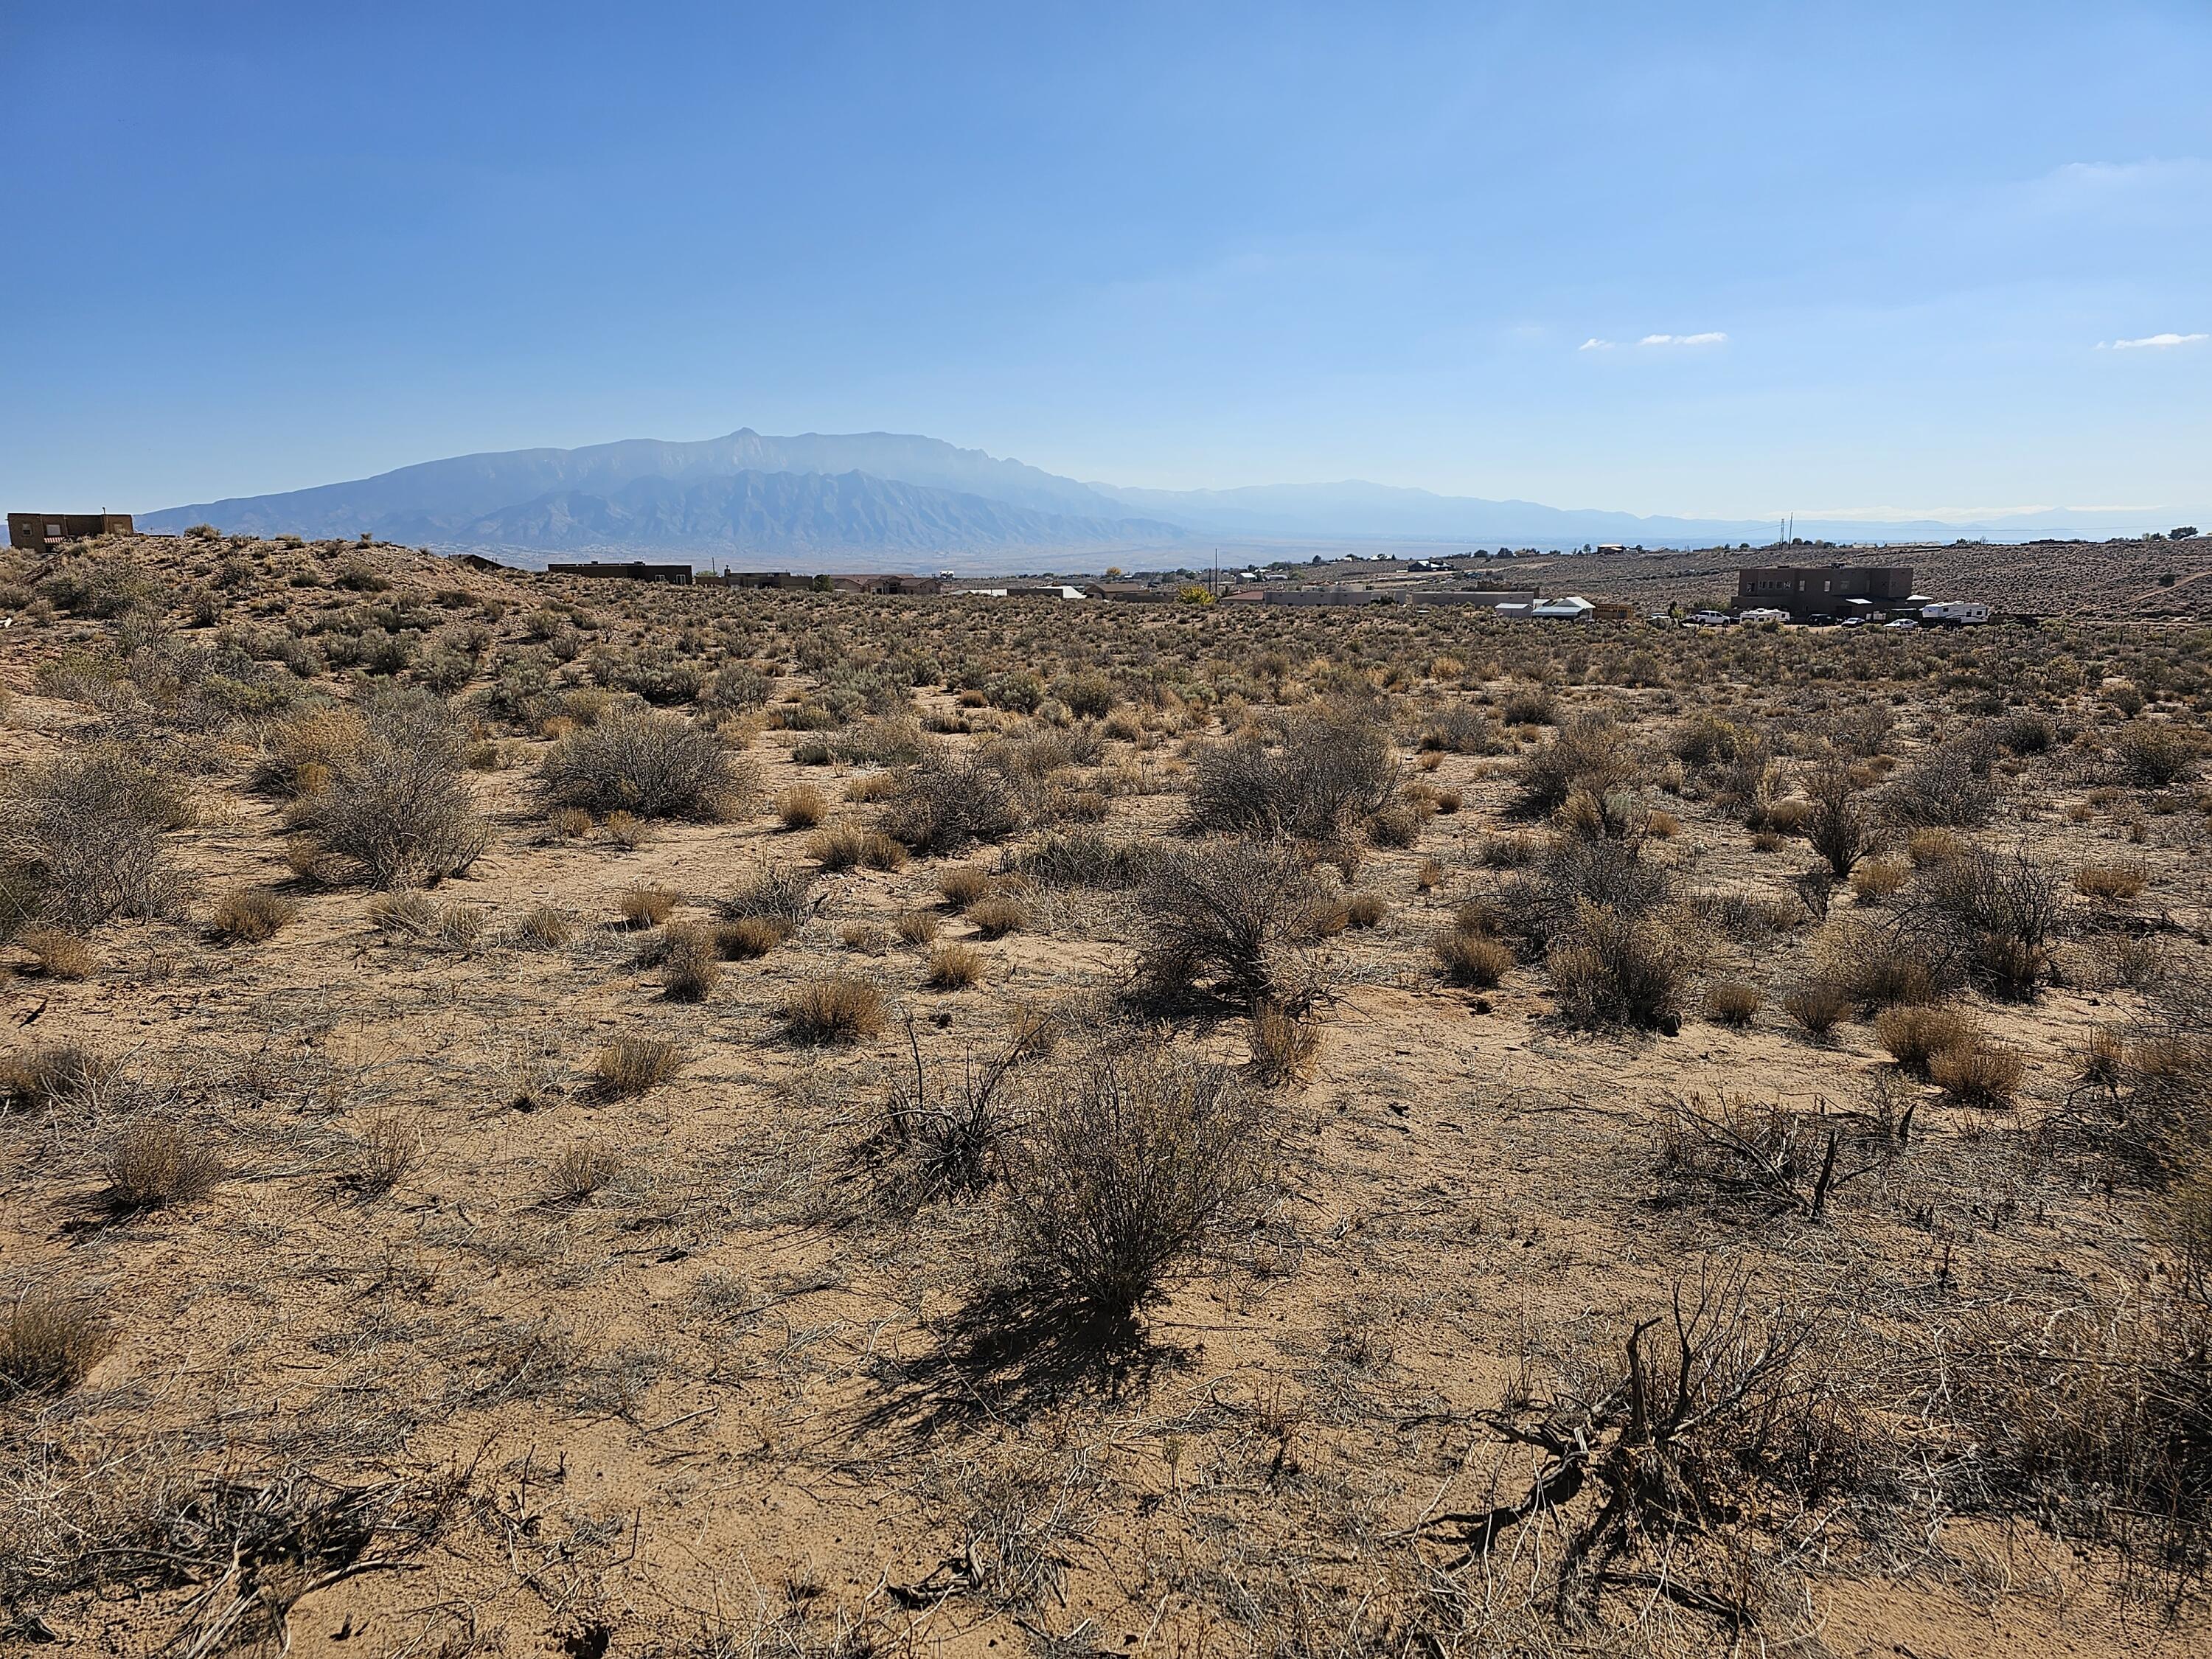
pixel 1954 613
pixel 1762 615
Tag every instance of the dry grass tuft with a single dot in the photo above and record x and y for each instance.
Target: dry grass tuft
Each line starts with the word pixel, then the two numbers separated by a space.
pixel 579 1170
pixel 955 968
pixel 998 914
pixel 804 807
pixel 964 885
pixel 629 1065
pixel 155 1161
pixel 545 926
pixel 691 966
pixel 57 954
pixel 843 1008
pixel 2110 883
pixel 253 914
pixel 848 847
pixel 1734 1002
pixel 49 1344
pixel 1284 1047
pixel 1915 1036
pixel 749 938
pixel 384 1152
pixel 1980 1074
pixel 646 906
pixel 1818 1005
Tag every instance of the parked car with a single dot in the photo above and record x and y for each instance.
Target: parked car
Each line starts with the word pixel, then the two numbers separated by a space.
pixel 1902 621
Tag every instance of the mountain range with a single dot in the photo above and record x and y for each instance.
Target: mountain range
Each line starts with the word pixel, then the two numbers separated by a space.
pixel 897 500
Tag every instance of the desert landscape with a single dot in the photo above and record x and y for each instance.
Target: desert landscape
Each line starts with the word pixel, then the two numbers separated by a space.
pixel 593 1118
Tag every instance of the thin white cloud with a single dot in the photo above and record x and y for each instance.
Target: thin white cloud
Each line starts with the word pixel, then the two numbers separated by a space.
pixel 1594 344
pixel 2154 343
pixel 1714 338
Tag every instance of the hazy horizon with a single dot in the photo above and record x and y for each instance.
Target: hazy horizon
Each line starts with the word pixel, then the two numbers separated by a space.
pixel 1878 264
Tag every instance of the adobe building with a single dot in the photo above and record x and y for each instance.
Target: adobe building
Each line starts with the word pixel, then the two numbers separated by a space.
pixel 42 532
pixel 636 571
pixel 1824 589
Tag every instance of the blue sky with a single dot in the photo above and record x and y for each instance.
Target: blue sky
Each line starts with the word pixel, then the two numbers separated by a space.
pixel 1886 258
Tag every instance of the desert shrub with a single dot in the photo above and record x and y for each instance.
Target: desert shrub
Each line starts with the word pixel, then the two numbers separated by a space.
pixel 1734 1002
pixel 399 805
pixel 546 926
pixel 750 937
pixel 1082 858
pixel 1088 695
pixel 849 845
pixel 1366 910
pixel 629 1065
pixel 2151 756
pixel 946 802
pixel 1818 1005
pixel 1530 706
pixel 2154 1079
pixel 1915 1036
pixel 955 968
pixel 49 1343
pixel 691 966
pixel 998 914
pixel 1880 965
pixel 2110 883
pixel 1986 915
pixel 579 1171
pixel 81 842
pixel 1234 919
pixel 1756 1150
pixel 2026 732
pixel 155 1161
pixel 57 954
pixel 915 927
pixel 802 808
pixel 1706 740
pixel 1979 1072
pixel 1284 1047
pixel 1460 728
pixel 777 892
pixel 1838 828
pixel 1544 903
pixel 1327 768
pixel 1950 787
pixel 252 914
pixel 1470 956
pixel 1589 752
pixel 644 907
pixel 843 1008
pixel 1610 969
pixel 656 765
pixel 2094 1419
pixel 1129 1172
pixel 964 885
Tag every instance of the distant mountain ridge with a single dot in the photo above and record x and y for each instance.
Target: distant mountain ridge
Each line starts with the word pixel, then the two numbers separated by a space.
pixel 747 497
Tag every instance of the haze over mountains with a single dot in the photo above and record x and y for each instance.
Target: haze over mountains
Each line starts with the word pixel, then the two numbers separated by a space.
pixel 896 500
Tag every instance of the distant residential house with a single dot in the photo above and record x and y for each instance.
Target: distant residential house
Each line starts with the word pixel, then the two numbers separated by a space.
pixel 1572 608
pixel 1814 590
pixel 1494 598
pixel 637 571
pixel 41 533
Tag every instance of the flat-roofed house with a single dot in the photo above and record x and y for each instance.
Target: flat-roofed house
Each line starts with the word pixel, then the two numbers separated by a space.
pixel 41 533
pixel 1813 590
